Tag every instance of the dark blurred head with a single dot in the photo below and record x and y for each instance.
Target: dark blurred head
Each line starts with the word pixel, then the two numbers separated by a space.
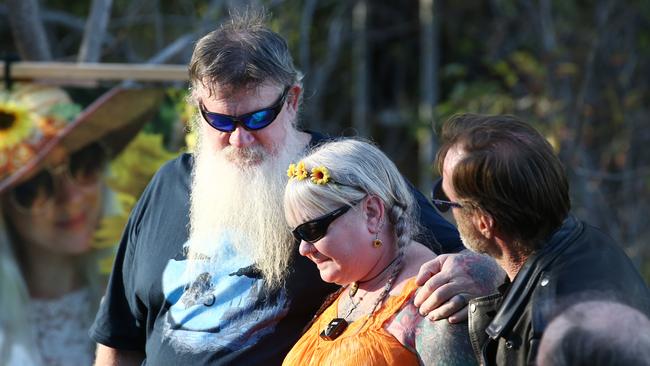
pixel 509 171
pixel 596 333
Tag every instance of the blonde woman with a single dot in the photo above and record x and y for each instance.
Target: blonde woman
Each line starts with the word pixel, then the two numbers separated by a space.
pixel 354 216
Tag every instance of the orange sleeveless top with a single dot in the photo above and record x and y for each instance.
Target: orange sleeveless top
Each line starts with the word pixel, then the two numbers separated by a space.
pixel 360 344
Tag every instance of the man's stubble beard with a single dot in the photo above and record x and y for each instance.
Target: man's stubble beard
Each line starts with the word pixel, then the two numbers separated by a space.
pixel 236 198
pixel 475 241
pixel 470 236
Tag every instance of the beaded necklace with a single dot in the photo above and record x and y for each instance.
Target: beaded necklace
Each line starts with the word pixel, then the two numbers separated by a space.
pixel 338 325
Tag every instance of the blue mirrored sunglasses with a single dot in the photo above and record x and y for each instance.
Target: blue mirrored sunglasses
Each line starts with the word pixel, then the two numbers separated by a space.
pixel 252 121
pixel 440 199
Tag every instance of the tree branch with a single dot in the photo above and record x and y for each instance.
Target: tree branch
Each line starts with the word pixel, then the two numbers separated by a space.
pixel 306 23
pixel 28 31
pixel 95 30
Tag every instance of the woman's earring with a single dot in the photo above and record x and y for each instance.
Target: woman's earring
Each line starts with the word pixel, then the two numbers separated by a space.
pixel 377 242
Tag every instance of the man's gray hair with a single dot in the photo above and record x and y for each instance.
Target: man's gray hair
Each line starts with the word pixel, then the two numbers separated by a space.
pixel 242 53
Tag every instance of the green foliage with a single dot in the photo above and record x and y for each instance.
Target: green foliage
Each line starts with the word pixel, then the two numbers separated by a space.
pixel 65 111
pixel 133 168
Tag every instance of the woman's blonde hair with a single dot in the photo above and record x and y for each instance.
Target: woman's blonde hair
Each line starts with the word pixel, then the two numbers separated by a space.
pixel 357 168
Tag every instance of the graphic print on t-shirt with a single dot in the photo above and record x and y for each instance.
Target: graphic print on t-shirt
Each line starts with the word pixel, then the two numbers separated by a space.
pixel 221 306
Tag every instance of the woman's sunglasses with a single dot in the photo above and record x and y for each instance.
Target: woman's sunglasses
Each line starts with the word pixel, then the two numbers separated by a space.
pixel 83 168
pixel 252 121
pixel 440 199
pixel 314 230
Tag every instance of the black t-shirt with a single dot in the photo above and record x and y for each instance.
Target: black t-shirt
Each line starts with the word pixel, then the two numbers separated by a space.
pixel 219 317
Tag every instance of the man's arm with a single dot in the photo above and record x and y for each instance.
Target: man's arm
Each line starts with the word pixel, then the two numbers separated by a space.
pixel 107 356
pixel 450 280
pixel 116 323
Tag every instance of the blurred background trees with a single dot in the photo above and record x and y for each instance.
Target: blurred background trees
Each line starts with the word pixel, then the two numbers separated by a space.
pixel 394 70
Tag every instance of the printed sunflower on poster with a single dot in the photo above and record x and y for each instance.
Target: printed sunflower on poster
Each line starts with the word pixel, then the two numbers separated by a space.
pixel 16 123
pixel 29 115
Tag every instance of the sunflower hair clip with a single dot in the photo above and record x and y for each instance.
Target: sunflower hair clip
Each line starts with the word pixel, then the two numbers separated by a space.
pixel 318 175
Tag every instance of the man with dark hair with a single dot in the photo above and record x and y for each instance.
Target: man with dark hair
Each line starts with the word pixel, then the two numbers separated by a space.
pixel 596 333
pixel 207 271
pixel 510 198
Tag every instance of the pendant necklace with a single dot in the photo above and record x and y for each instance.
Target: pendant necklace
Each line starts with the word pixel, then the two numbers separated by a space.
pixel 337 326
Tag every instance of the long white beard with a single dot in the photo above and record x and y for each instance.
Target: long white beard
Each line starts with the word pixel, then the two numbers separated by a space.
pixel 237 210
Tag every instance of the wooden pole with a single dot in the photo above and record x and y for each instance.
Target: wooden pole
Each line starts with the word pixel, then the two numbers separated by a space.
pixel 92 72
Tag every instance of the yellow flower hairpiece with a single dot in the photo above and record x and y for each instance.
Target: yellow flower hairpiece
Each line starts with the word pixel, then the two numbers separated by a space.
pixel 291 171
pixel 319 174
pixel 300 172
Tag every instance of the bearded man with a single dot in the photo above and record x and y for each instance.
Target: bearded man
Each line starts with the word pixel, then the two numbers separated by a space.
pixel 229 288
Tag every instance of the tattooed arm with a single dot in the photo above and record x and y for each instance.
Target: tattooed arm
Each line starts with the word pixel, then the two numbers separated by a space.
pixel 435 342
pixel 450 280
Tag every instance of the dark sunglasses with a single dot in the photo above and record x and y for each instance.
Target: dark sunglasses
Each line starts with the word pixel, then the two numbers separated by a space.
pixel 83 167
pixel 252 121
pixel 440 199
pixel 314 230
